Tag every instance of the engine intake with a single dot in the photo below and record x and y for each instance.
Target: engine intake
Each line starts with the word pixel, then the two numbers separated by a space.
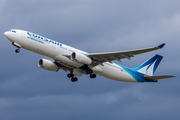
pixel 48 65
pixel 78 57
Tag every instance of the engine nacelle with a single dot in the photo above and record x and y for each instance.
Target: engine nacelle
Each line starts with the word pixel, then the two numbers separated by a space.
pixel 48 65
pixel 78 57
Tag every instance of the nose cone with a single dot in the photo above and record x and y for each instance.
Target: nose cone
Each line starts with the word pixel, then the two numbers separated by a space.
pixel 7 34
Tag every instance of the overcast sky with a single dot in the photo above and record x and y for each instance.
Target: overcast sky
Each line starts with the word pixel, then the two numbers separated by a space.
pixel 28 92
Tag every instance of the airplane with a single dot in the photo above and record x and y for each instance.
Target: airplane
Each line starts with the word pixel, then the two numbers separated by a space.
pixel 77 62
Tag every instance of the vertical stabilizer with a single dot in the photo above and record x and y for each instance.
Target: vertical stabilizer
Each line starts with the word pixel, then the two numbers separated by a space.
pixel 150 66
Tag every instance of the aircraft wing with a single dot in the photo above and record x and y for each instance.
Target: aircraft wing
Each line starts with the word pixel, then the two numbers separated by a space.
pixel 100 58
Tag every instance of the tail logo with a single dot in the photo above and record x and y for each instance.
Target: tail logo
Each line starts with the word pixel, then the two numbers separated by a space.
pixel 150 66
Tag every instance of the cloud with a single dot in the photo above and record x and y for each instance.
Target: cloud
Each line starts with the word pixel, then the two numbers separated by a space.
pixel 115 103
pixel 29 92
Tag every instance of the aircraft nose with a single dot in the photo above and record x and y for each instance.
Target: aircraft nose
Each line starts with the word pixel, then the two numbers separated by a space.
pixel 6 33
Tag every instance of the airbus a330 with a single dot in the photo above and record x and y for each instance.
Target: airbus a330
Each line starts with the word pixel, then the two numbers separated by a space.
pixel 77 62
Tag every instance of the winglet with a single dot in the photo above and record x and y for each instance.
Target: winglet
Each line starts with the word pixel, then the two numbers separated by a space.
pixel 161 46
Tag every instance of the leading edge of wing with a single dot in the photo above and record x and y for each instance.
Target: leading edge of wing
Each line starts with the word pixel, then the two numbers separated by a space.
pixel 133 52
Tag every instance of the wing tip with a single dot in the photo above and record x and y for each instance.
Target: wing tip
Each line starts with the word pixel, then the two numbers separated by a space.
pixel 161 46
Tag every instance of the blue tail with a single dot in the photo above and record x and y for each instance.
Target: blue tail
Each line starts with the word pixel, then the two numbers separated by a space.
pixel 150 66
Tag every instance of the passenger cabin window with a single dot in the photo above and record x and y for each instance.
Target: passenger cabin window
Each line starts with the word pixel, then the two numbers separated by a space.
pixel 13 31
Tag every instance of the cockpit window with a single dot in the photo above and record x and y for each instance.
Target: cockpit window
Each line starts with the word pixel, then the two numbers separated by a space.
pixel 13 31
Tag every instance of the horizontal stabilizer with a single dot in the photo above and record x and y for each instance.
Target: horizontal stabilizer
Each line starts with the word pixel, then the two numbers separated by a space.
pixel 158 77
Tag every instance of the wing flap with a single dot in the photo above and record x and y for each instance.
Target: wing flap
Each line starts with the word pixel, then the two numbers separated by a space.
pixel 158 77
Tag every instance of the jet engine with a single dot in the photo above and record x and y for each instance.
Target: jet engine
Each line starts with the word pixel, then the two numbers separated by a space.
pixel 48 65
pixel 78 57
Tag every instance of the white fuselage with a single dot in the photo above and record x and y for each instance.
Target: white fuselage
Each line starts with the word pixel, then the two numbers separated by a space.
pixel 58 51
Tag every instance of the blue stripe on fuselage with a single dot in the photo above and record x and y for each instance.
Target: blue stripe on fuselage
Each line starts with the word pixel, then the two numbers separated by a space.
pixel 139 77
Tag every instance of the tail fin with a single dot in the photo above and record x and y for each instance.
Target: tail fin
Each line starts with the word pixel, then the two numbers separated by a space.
pixel 150 66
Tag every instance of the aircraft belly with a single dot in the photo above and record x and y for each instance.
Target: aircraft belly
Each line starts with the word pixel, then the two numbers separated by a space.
pixel 66 61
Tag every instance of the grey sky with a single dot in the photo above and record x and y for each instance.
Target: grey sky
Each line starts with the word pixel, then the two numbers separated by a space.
pixel 28 92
